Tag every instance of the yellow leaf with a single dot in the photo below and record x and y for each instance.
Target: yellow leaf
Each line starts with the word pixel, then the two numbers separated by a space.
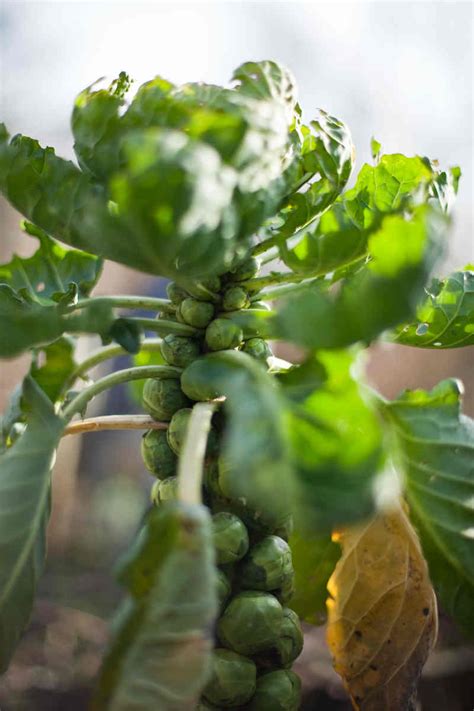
pixel 382 613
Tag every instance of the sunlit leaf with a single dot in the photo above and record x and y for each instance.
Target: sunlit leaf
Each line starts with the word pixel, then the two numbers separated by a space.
pixel 382 613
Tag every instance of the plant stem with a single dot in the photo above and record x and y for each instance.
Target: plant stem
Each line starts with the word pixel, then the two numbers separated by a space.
pixel 127 302
pixel 191 462
pixel 102 354
pixel 262 247
pixel 273 279
pixel 114 422
pixel 79 403
pixel 164 327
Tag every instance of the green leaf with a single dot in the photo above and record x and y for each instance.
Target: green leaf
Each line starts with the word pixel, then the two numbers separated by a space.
pixel 255 442
pixel 376 297
pixel 341 235
pixel 335 440
pixel 314 559
pixel 436 447
pixel 267 80
pixel 52 272
pixel 97 127
pixel 26 323
pixel 24 510
pixel 375 149
pixel 159 657
pixel 53 365
pixel 446 317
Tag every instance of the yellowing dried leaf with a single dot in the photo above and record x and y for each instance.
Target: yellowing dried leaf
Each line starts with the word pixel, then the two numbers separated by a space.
pixel 382 613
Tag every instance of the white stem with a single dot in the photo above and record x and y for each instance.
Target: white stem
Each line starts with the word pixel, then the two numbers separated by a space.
pixel 114 422
pixel 191 461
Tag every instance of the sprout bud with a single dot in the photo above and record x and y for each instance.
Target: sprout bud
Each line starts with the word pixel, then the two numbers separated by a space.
pixel 196 313
pixel 157 455
pixel 223 334
pixel 257 348
pixel 176 293
pixel 162 397
pixel 224 587
pixel 278 690
pixel 230 538
pixel 288 645
pixel 267 566
pixel 166 490
pixel 177 428
pixel 251 622
pixel 248 269
pixel 179 351
pixel 233 679
pixel 235 298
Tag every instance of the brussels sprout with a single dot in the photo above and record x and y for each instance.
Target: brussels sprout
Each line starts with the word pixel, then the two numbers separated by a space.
pixel 288 645
pixel 235 298
pixel 157 455
pixel 168 316
pixel 212 283
pixel 285 529
pixel 230 537
pixel 248 269
pixel 257 348
pixel 176 431
pixel 179 350
pixel 162 397
pixel 176 293
pixel 286 592
pixel 223 334
pixel 165 490
pixel 196 313
pixel 267 566
pixel 233 679
pixel 251 622
pixel 278 690
pixel 224 587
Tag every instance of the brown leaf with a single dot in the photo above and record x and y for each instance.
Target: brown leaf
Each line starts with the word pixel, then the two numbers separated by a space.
pixel 382 613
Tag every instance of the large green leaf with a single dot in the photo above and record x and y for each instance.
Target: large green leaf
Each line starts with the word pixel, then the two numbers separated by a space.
pixel 24 510
pixel 52 272
pixel 255 449
pixel 378 296
pixel 445 319
pixel 436 445
pixel 335 440
pixel 341 235
pixel 160 652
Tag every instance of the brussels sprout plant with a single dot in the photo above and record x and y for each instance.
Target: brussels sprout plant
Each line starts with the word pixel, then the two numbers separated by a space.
pixel 277 484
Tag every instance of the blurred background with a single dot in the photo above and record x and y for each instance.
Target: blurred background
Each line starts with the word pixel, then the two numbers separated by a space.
pixel 399 71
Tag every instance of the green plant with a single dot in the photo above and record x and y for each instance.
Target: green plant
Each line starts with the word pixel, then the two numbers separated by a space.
pixel 264 468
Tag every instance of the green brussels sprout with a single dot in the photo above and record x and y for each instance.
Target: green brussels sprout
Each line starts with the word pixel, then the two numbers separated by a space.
pixel 157 455
pixel 212 283
pixel 288 645
pixel 251 622
pixel 285 529
pixel 230 537
pixel 224 587
pixel 162 397
pixel 278 690
pixel 196 313
pixel 168 316
pixel 233 679
pixel 223 334
pixel 248 269
pixel 257 348
pixel 267 566
pixel 286 592
pixel 176 293
pixel 176 431
pixel 260 305
pixel 179 350
pixel 235 298
pixel 165 490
